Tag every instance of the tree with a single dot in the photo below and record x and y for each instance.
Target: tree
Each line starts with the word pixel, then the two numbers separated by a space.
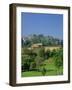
pixel 32 66
pixel 41 52
pixel 39 61
pixel 27 43
pixel 54 52
pixel 26 61
pixel 47 54
pixel 22 42
pixel 35 39
pixel 45 40
pixel 59 59
pixel 43 71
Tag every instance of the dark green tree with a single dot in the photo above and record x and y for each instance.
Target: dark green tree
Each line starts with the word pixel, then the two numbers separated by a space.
pixel 43 71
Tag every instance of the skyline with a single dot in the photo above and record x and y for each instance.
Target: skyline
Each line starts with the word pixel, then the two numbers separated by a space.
pixel 46 24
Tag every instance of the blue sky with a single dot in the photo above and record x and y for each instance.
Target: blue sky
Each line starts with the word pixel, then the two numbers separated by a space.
pixel 46 24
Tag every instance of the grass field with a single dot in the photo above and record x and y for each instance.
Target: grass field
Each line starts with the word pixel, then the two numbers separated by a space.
pixel 50 67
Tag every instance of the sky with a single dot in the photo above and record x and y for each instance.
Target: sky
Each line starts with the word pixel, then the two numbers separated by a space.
pixel 46 24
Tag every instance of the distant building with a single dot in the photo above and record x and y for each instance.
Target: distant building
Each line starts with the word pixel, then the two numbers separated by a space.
pixel 37 45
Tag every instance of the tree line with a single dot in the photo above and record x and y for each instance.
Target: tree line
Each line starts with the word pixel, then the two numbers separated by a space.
pixel 45 40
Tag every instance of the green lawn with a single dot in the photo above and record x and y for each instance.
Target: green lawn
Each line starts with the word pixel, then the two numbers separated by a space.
pixel 31 73
pixel 50 67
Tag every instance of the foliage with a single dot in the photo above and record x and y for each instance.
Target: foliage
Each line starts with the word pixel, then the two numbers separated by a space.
pixel 43 71
pixel 32 66
pixel 59 58
pixel 26 51
pixel 39 61
pixel 26 43
pixel 45 40
pixel 26 61
pixel 41 52
pixel 47 54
